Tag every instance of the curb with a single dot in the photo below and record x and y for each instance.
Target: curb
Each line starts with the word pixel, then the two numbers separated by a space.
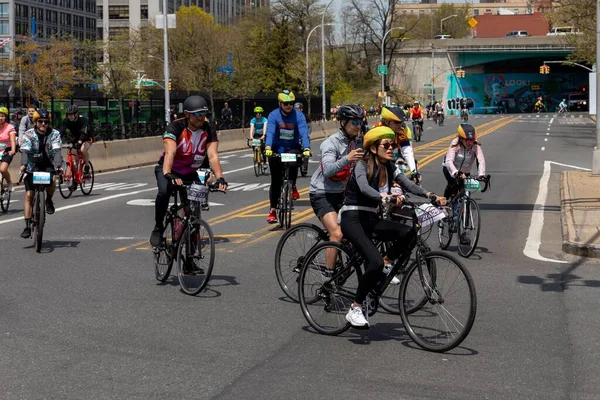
pixel 566 216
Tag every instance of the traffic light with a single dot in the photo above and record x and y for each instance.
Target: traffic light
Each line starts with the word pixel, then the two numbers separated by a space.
pixel 460 73
pixel 545 69
pixel 170 86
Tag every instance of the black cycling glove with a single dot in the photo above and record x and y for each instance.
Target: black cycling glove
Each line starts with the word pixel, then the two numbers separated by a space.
pixel 171 177
pixel 221 181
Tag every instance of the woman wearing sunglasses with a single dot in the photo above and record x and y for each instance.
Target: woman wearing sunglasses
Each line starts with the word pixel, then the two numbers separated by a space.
pixel 371 182
pixel 463 152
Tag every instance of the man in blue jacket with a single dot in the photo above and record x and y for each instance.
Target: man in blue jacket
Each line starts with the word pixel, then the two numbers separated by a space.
pixel 286 128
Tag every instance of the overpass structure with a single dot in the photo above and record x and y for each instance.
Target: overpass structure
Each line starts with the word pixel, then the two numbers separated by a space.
pixel 426 68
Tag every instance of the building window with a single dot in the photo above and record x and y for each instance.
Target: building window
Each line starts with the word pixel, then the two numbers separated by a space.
pixel 516 10
pixel 99 11
pixel 475 12
pixel 488 10
pixel 3 27
pixel 3 10
pixel 144 12
pixel 421 13
pixel 118 12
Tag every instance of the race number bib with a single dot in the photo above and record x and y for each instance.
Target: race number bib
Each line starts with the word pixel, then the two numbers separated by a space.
pixel 2 147
pixel 286 134
pixel 198 159
pixel 41 178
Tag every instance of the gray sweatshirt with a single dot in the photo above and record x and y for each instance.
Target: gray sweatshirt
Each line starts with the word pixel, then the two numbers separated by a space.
pixel 334 150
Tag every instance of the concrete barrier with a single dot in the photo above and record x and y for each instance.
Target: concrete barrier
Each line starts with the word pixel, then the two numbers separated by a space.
pixel 128 153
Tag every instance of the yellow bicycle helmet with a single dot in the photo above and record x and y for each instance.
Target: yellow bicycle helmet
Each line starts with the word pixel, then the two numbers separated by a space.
pixel 467 131
pixel 286 96
pixel 4 110
pixel 258 110
pixel 391 114
pixel 377 133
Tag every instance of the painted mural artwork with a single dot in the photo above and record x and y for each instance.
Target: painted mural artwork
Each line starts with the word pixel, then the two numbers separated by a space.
pixel 513 93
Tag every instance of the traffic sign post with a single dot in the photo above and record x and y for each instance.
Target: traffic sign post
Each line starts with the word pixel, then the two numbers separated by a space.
pixel 382 69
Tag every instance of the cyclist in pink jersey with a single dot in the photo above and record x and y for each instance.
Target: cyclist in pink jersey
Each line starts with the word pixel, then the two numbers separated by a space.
pixel 8 146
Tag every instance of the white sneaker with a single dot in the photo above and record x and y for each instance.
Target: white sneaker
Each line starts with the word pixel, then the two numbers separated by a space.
pixel 395 281
pixel 9 187
pixel 356 318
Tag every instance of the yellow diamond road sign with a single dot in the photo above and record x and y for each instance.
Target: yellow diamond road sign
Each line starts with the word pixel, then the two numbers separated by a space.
pixel 472 22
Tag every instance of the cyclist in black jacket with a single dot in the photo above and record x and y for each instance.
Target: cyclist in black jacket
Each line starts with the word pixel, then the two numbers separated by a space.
pixel 81 134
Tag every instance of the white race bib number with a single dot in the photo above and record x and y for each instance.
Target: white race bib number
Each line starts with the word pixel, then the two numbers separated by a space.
pixel 288 157
pixel 256 142
pixel 41 178
pixel 3 147
pixel 427 214
pixel 198 159
pixel 286 134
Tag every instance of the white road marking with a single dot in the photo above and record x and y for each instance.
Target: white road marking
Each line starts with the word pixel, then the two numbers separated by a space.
pixel 543 148
pixel 547 133
pixel 545 139
pixel 551 119
pixel 534 238
pixel 150 202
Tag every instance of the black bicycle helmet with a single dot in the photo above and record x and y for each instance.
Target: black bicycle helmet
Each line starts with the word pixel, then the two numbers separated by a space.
pixel 298 106
pixel 350 111
pixel 73 109
pixel 194 104
pixel 41 113
pixel 467 131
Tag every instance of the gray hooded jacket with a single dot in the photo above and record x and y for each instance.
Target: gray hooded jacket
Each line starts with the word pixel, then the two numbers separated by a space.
pixel 333 160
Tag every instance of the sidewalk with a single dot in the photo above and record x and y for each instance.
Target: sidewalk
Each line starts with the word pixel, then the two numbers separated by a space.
pixel 580 213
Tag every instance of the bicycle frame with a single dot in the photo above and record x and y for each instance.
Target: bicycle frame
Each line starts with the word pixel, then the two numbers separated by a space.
pixel 76 170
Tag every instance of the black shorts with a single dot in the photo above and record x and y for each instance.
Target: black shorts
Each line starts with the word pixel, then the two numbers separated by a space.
pixel 324 203
pixel 6 158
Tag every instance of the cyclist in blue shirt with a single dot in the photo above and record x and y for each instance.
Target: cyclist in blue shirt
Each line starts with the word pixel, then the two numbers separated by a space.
pixel 258 128
pixel 286 129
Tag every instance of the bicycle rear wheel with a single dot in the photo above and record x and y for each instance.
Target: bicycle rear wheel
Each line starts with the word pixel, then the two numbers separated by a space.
pixel 257 166
pixel 445 231
pixel 4 195
pixel 445 319
pixel 66 183
pixel 39 218
pixel 291 251
pixel 164 254
pixel 326 295
pixel 284 212
pixel 469 222
pixel 87 182
pixel 195 257
pixel 418 133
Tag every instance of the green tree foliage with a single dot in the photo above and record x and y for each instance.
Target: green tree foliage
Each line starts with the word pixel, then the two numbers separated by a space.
pixel 580 14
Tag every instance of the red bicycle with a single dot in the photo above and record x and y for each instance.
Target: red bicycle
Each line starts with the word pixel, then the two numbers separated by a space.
pixel 74 176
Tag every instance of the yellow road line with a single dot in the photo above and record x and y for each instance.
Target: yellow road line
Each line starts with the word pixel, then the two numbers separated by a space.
pixel 295 220
pixel 131 246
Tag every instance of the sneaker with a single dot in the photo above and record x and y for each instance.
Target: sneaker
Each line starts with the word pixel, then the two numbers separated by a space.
pixel 295 194
pixel 156 236
pixel 395 281
pixel 26 234
pixel 9 187
pixel 356 318
pixel 272 218
pixel 49 206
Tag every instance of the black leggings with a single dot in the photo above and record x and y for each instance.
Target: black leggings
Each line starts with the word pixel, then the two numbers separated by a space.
pixel 359 227
pixel 276 167
pixel 165 189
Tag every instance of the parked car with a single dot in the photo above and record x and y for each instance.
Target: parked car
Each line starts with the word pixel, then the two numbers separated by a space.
pixel 578 102
pixel 442 37
pixel 513 34
pixel 564 30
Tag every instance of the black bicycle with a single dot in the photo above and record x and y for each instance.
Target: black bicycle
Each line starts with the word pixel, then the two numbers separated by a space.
pixel 437 293
pixel 285 204
pixel 187 238
pixel 4 195
pixel 41 180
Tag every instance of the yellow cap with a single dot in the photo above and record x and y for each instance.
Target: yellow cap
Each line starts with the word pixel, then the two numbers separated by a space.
pixel 378 133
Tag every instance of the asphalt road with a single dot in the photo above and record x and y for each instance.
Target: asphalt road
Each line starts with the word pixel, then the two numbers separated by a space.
pixel 86 319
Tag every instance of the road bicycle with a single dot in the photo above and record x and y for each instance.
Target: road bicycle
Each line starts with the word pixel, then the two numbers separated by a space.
pixel 562 111
pixel 41 180
pixel 463 217
pixel 187 238
pixel 418 129
pixel 4 195
pixel 464 115
pixel 73 175
pixel 437 299
pixel 440 118
pixel 259 160
pixel 304 166
pixel 285 204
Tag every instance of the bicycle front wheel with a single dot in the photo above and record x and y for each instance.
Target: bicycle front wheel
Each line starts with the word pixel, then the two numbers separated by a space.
pixel 469 222
pixel 327 291
pixel 257 166
pixel 195 257
pixel 39 212
pixel 445 228
pixel 443 321
pixel 4 196
pixel 291 251
pixel 66 183
pixel 87 181
pixel 164 254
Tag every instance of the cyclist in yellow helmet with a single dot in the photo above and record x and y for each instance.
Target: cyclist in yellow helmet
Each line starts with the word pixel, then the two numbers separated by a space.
pixel 8 146
pixel 258 129
pixel 395 118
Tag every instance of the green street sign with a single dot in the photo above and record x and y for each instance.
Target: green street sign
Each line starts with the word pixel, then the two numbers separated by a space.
pixel 144 83
pixel 382 69
pixel 427 84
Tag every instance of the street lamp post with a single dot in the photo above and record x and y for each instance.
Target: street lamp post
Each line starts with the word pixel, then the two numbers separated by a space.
pixel 324 105
pixel 442 21
pixel 307 70
pixel 383 60
pixel 432 73
pixel 166 64
pixel 596 156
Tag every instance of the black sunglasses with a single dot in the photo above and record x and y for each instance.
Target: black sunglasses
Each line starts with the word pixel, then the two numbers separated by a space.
pixel 387 145
pixel 199 114
pixel 288 103
pixel 43 121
